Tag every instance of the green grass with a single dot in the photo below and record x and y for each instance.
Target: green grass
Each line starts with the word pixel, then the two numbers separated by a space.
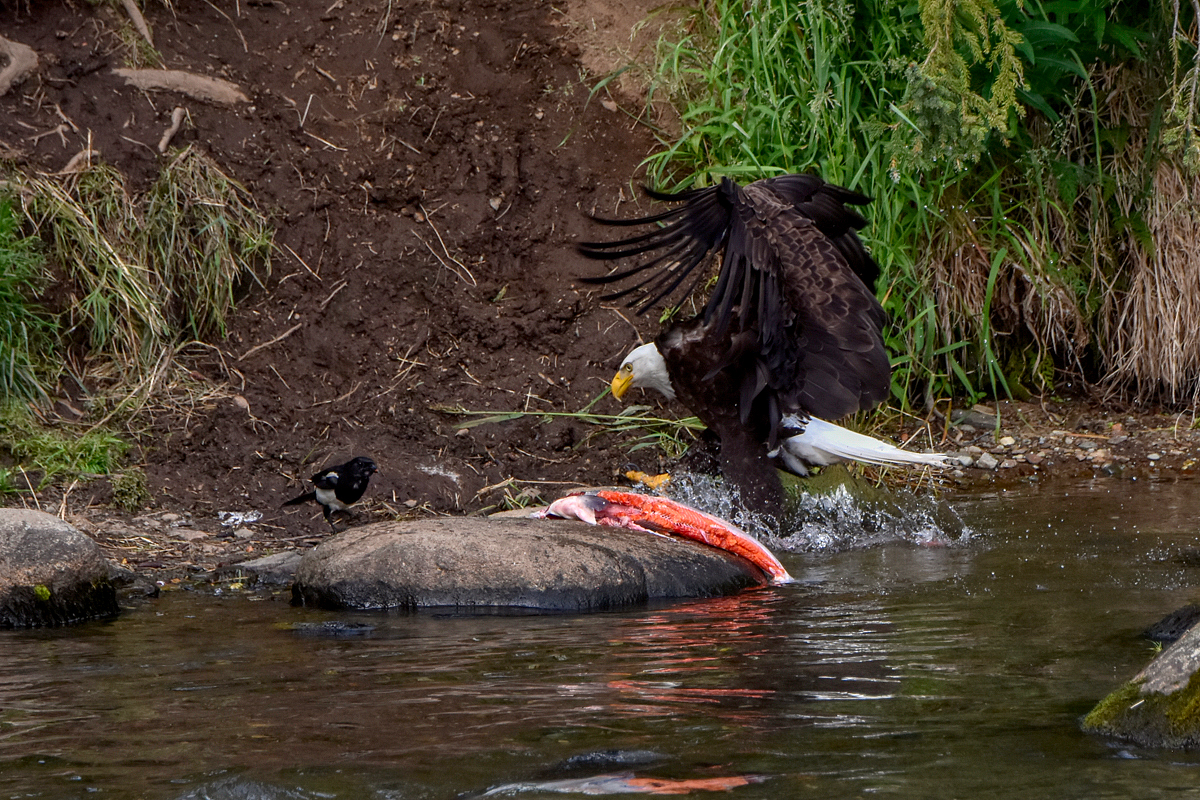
pixel 996 175
pixel 671 436
pixel 52 454
pixel 28 333
pixel 137 278
pixel 206 238
pixel 148 271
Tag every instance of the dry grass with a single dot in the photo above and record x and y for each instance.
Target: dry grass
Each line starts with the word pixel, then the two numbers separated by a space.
pixel 1147 326
pixel 991 282
pixel 1155 349
pixel 143 280
pixel 148 272
pixel 91 226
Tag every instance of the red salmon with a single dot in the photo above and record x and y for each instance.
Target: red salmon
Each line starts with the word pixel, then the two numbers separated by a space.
pixel 642 512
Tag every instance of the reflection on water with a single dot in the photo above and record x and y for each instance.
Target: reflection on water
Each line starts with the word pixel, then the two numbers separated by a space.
pixel 895 668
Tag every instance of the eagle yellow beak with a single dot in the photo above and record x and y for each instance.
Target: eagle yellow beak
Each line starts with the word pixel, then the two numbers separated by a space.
pixel 622 381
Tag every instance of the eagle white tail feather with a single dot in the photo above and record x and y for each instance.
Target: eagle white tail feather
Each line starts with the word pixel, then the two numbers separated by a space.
pixel 822 443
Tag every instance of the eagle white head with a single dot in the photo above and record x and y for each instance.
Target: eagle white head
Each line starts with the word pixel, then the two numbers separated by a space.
pixel 643 368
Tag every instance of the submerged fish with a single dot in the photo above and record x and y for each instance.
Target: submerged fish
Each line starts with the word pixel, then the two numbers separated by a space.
pixel 659 515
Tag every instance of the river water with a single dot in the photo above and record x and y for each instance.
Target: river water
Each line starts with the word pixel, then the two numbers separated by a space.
pixel 894 667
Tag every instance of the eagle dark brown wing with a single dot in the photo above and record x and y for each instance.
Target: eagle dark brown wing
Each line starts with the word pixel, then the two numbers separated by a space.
pixel 792 291
pixel 820 328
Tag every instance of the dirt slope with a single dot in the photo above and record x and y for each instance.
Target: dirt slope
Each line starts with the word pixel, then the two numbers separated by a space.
pixel 427 163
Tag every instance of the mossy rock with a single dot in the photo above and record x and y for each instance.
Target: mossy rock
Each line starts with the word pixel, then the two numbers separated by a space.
pixel 50 572
pixel 1160 707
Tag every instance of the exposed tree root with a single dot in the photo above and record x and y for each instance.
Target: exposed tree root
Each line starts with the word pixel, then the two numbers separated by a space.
pixel 213 90
pixel 177 118
pixel 22 61
pixel 139 22
pixel 79 162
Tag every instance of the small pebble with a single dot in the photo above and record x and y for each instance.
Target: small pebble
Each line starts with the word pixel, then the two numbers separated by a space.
pixel 987 461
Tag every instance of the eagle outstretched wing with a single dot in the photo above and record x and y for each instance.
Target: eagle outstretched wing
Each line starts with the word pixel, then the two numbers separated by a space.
pixel 792 291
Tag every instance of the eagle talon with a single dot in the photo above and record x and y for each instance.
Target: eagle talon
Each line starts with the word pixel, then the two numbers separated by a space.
pixel 655 482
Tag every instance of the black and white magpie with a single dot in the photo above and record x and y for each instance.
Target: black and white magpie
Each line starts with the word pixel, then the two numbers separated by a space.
pixel 338 488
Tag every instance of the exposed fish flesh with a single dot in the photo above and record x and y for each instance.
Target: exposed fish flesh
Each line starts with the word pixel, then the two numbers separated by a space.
pixel 659 515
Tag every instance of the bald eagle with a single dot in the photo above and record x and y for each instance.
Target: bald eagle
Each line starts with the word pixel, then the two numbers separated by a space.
pixel 791 326
pixel 805 442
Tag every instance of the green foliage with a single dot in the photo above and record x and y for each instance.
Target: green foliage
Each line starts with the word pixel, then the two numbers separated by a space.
pixel 148 272
pixel 130 491
pixel 53 453
pixel 91 227
pixel 1182 134
pixel 964 89
pixel 27 331
pixel 204 236
pixel 138 278
pixel 999 193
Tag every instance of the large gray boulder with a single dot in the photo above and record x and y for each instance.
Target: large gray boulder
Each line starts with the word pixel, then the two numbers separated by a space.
pixel 475 563
pixel 50 572
pixel 1160 707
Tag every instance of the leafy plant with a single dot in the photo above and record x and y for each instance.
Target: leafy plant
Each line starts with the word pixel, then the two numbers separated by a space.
pixel 963 91
pixel 1010 148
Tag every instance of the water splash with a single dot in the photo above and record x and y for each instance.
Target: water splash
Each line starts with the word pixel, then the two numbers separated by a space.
pixel 844 519
pixel 840 514
pixel 711 495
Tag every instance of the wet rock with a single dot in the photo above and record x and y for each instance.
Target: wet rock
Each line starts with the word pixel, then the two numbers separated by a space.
pixel 131 586
pixel 480 564
pixel 50 572
pixel 1174 625
pixel 987 461
pixel 976 417
pixel 1160 707
pixel 277 569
